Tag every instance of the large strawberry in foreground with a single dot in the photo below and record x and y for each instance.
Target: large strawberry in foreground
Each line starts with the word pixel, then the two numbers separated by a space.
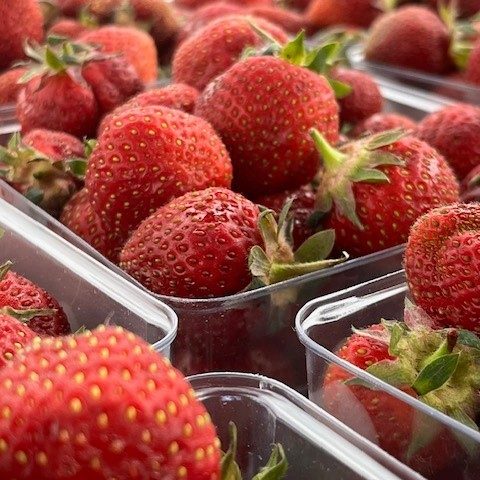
pixel 263 108
pixel 443 266
pixel 374 189
pixel 439 367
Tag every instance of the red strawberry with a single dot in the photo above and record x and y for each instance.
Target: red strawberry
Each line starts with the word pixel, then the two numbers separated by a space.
pixel 113 81
pixel 68 28
pixel 137 47
pixel 472 72
pixel 292 22
pixel 102 405
pixel 263 108
pixel 303 206
pixel 323 13
pixel 147 156
pixel 442 266
pixel 79 216
pixel 358 178
pixel 453 131
pixel 9 86
pixel 22 21
pixel 72 7
pixel 410 37
pixel 58 146
pixel 381 122
pixel 365 98
pixel 20 293
pixel 465 8
pixel 216 47
pixel 194 4
pixel 400 360
pixel 14 336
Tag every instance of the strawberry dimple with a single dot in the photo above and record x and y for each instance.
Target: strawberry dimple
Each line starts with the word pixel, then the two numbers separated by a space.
pixel 14 335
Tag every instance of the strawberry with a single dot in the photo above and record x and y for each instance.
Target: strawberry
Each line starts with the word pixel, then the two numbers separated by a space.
pixel 137 47
pixel 324 13
pixel 472 71
pixel 14 336
pixel 364 99
pixel 194 4
pixel 9 86
pixel 357 179
pixel 381 122
pixel 102 405
pixel 22 21
pixel 43 167
pixel 441 265
pixel 79 216
pixel 72 7
pixel 68 28
pixel 453 131
pixel 421 362
pixel 172 152
pixel 19 293
pixel 291 21
pixel 263 108
pixel 423 38
pixel 216 47
pixel 303 206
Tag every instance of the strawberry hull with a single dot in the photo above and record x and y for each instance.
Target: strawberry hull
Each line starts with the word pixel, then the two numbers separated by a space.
pixel 430 442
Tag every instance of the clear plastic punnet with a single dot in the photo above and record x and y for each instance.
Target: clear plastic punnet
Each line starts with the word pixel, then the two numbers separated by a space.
pixel 90 293
pixel 317 445
pixel 438 446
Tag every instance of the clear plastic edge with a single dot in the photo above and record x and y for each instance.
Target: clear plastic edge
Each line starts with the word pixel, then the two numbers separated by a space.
pixel 303 318
pixel 101 277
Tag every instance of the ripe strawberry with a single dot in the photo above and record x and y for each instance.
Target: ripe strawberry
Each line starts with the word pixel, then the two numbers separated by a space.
pixel 9 86
pixel 22 21
pixel 113 81
pixel 58 146
pixel 409 360
pixel 441 265
pixel 216 47
pixel 14 336
pixel 324 13
pixel 263 108
pixel 381 122
pixel 472 72
pixel 423 38
pixel 453 131
pixel 357 179
pixel 102 405
pixel 365 98
pixel 291 21
pixel 79 216
pixel 72 7
pixel 194 4
pixel 137 47
pixel 303 206
pixel 68 28
pixel 172 152
pixel 20 293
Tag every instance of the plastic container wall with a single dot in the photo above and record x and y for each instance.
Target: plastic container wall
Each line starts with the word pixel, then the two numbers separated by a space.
pixel 317 446
pixel 89 292
pixel 451 450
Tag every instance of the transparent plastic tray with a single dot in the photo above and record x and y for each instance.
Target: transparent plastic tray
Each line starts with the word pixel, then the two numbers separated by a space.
pixel 444 86
pixel 254 331
pixel 89 292
pixel 316 444
pixel 322 326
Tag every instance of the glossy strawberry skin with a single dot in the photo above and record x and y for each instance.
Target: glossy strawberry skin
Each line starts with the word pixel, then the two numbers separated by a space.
pixel 216 47
pixel 68 28
pixel 381 122
pixel 454 132
pixel 442 265
pixel 14 335
pixel 147 156
pixel 423 38
pixel 365 98
pixel 196 246
pixel 425 182
pixel 291 21
pixel 58 146
pixel 102 405
pixel 303 207
pixel 9 86
pixel 113 81
pixel 264 108
pixel 80 217
pixel 58 103
pixel 20 293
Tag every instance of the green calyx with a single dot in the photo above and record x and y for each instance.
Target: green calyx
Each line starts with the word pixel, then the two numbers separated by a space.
pixel 441 366
pixel 275 469
pixel 277 261
pixel 354 162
